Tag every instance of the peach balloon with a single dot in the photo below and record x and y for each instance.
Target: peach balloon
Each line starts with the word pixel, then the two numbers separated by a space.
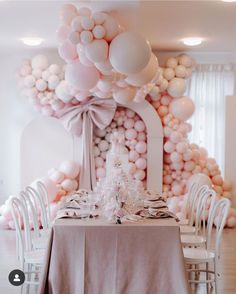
pixel 176 87
pixel 141 163
pixel 57 177
pixel 141 147
pixel 67 51
pixel 182 108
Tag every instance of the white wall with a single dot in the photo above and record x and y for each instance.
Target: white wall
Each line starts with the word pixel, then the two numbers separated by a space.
pixel 15 113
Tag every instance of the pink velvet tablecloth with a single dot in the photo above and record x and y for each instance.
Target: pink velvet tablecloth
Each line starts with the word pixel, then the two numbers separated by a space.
pixel 95 257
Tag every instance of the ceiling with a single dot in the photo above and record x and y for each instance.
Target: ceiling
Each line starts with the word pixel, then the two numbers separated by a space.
pixel 163 23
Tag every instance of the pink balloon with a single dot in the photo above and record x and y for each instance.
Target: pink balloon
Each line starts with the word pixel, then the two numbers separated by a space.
pixel 189 165
pixel 80 76
pixel 68 185
pixel 70 169
pixel 129 124
pixel 99 162
pixel 130 134
pixel 57 177
pixel 67 13
pixel 163 110
pixel 177 189
pixel 169 147
pixel 99 32
pixel 86 37
pixel 182 108
pixel 167 179
pixel 133 155
pixel 182 147
pixel 176 157
pixel 176 137
pixel 132 168
pixel 67 51
pixel 200 179
pixel 84 59
pixel 97 51
pixel 139 126
pixel 139 175
pixel 111 28
pixel 125 95
pixel 141 147
pixel 141 163
pixel 100 172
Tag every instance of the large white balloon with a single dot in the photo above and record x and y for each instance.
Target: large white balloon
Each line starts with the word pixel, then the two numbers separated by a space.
pixel 146 75
pixel 176 87
pixel 129 53
pixel 182 108
pixel 80 76
pixel 62 92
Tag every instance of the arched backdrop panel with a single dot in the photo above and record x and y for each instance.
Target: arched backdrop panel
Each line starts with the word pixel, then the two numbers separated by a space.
pixel 45 144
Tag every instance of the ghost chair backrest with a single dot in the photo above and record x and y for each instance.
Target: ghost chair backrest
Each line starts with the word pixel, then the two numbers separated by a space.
pixel 218 217
pixel 198 193
pixel 42 190
pixel 19 212
pixel 34 194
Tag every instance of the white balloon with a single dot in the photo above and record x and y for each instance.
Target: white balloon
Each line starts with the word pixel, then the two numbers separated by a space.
pixel 125 95
pixel 146 75
pixel 180 71
pixel 40 62
pixel 176 87
pixel 62 92
pixel 171 62
pixel 129 53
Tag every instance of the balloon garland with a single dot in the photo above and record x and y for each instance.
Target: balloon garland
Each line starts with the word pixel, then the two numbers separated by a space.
pixel 105 61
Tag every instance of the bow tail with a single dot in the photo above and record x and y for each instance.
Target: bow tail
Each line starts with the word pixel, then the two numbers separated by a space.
pixel 87 173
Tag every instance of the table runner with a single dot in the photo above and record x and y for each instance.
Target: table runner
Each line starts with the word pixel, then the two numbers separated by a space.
pixel 95 257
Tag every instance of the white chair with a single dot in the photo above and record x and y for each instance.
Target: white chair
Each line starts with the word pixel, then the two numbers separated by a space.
pixel 200 237
pixel 42 212
pixel 44 196
pixel 30 260
pixel 205 256
pixel 38 241
pixel 190 228
pixel 188 207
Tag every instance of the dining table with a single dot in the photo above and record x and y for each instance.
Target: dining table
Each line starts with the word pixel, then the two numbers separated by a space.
pixel 94 256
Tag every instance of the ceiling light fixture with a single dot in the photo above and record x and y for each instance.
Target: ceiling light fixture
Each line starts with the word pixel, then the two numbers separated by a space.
pixel 192 41
pixel 32 41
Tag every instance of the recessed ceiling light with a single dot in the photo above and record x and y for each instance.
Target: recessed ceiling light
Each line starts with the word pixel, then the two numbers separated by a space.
pixel 32 41
pixel 192 41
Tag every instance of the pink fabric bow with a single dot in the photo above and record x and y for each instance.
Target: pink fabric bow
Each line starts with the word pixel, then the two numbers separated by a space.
pixel 79 121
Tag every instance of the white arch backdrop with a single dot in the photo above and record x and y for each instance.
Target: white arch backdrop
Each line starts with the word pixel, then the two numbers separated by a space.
pixel 42 148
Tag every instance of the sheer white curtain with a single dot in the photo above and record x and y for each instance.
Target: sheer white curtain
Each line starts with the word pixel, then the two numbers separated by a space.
pixel 208 87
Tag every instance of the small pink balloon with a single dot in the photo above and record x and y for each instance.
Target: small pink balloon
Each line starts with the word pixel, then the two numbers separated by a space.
pixel 86 37
pixel 139 126
pixel 99 32
pixel 133 155
pixel 130 134
pixel 169 147
pixel 68 185
pixel 176 137
pixel 189 165
pixel 99 162
pixel 129 124
pixel 111 27
pixel 182 147
pixel 141 136
pixel 139 175
pixel 67 51
pixel 141 163
pixel 131 168
pixel 67 13
pixel 167 179
pixel 176 157
pixel 177 190
pixel 163 110
pixel 141 147
pixel 100 172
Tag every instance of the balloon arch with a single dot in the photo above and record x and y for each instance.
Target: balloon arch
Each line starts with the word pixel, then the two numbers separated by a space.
pixel 107 66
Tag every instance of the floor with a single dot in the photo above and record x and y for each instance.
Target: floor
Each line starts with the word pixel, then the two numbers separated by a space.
pixel 8 262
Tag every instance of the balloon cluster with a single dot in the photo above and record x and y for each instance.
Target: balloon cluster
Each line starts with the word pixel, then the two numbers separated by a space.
pixel 41 83
pixel 131 125
pixel 59 183
pixel 102 60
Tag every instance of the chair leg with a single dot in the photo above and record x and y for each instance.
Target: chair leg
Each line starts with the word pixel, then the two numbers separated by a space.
pixel 216 277
pixel 207 277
